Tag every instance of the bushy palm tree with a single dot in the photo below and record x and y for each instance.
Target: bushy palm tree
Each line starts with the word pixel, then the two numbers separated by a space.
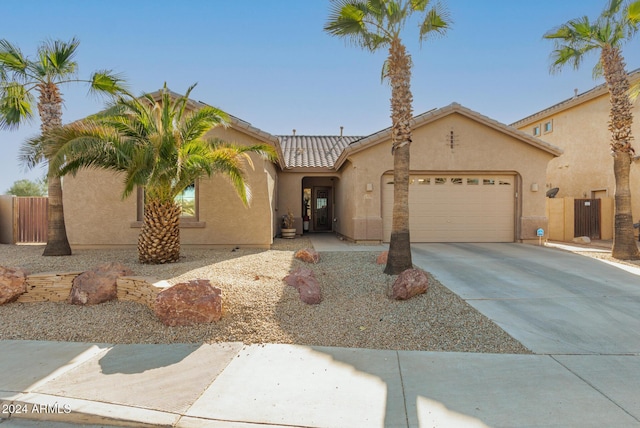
pixel 605 36
pixel 161 145
pixel 379 24
pixel 20 78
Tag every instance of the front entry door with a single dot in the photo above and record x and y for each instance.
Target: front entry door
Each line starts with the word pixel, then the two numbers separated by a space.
pixel 322 211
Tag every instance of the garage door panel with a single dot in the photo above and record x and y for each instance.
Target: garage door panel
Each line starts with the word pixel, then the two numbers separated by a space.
pixel 460 208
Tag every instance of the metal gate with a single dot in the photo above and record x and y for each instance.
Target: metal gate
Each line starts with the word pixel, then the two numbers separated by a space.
pixel 30 219
pixel 587 218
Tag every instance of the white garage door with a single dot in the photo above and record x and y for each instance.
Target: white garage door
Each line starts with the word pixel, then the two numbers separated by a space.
pixel 455 208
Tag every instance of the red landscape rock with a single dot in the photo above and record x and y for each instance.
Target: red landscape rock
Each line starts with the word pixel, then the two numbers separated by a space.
pixel 189 303
pixel 307 285
pixel 382 258
pixel 13 282
pixel 308 255
pixel 97 285
pixel 410 283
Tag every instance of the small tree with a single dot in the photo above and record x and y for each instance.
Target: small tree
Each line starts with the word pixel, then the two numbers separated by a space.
pixel 28 188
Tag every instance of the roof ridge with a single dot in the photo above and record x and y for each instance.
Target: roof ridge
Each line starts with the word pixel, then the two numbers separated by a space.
pixel 566 102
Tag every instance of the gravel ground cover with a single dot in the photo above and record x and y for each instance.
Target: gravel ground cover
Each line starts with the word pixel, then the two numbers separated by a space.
pixel 259 307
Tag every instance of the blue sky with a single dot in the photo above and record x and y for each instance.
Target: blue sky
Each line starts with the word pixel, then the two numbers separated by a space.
pixel 270 63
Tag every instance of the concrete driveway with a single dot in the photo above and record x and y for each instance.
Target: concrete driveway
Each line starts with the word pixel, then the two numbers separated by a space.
pixel 552 301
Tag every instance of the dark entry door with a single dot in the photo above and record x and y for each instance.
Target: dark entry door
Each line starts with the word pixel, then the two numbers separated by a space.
pixel 587 218
pixel 322 209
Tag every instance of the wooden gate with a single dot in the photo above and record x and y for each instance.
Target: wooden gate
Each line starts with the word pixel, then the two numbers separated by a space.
pixel 587 218
pixel 30 219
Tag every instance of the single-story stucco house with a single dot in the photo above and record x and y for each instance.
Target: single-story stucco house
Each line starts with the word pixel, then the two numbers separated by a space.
pixel 473 179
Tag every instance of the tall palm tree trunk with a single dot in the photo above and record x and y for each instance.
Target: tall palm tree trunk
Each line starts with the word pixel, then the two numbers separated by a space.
pixel 620 120
pixel 50 110
pixel 401 114
pixel 159 240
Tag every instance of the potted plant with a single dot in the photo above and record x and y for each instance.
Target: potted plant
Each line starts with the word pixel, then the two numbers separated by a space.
pixel 288 225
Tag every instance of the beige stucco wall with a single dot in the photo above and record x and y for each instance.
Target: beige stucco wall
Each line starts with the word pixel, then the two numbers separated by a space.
pixel 6 219
pixel 586 166
pixel 477 148
pixel 560 212
pixel 96 215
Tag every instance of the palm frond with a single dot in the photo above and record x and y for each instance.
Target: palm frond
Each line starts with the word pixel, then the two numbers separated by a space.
pixel 31 152
pixel 108 82
pixel 634 91
pixel 633 12
pixel 612 8
pixel 419 5
pixel 197 124
pixel 56 58
pixel 15 105
pixel 437 21
pixel 12 60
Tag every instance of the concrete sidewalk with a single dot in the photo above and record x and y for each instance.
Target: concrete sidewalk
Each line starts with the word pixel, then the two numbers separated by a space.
pixel 232 385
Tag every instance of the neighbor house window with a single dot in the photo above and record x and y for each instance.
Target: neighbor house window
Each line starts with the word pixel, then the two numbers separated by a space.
pixel 548 126
pixel 536 131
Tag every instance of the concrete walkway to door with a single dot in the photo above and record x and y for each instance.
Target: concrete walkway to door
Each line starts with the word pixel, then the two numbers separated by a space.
pixel 552 301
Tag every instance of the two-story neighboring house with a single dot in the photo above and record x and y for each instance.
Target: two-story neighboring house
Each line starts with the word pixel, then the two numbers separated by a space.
pixel 579 125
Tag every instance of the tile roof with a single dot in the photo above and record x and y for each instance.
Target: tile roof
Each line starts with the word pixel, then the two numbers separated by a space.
pixel 313 151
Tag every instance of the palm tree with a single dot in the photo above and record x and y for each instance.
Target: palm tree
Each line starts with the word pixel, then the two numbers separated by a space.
pixel 605 35
pixel 376 24
pixel 20 77
pixel 159 144
pixel 633 13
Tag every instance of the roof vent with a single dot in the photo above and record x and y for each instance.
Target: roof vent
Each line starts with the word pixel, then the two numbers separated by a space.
pixel 294 132
pixel 341 129
pixel 575 93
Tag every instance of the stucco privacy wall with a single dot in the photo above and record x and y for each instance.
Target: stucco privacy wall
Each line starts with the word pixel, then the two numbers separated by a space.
pixel 476 148
pixel 579 126
pixel 6 219
pixel 96 215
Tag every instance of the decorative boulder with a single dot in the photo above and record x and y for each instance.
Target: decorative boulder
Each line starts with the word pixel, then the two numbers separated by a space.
pixel 97 285
pixel 382 258
pixel 582 240
pixel 13 282
pixel 308 255
pixel 307 285
pixel 410 283
pixel 189 303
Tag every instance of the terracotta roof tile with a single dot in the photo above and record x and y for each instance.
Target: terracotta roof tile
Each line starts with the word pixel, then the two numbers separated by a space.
pixel 313 151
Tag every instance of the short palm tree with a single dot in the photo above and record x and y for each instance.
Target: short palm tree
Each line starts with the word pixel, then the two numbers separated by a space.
pixel 162 146
pixel 20 77
pixel 605 35
pixel 377 24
